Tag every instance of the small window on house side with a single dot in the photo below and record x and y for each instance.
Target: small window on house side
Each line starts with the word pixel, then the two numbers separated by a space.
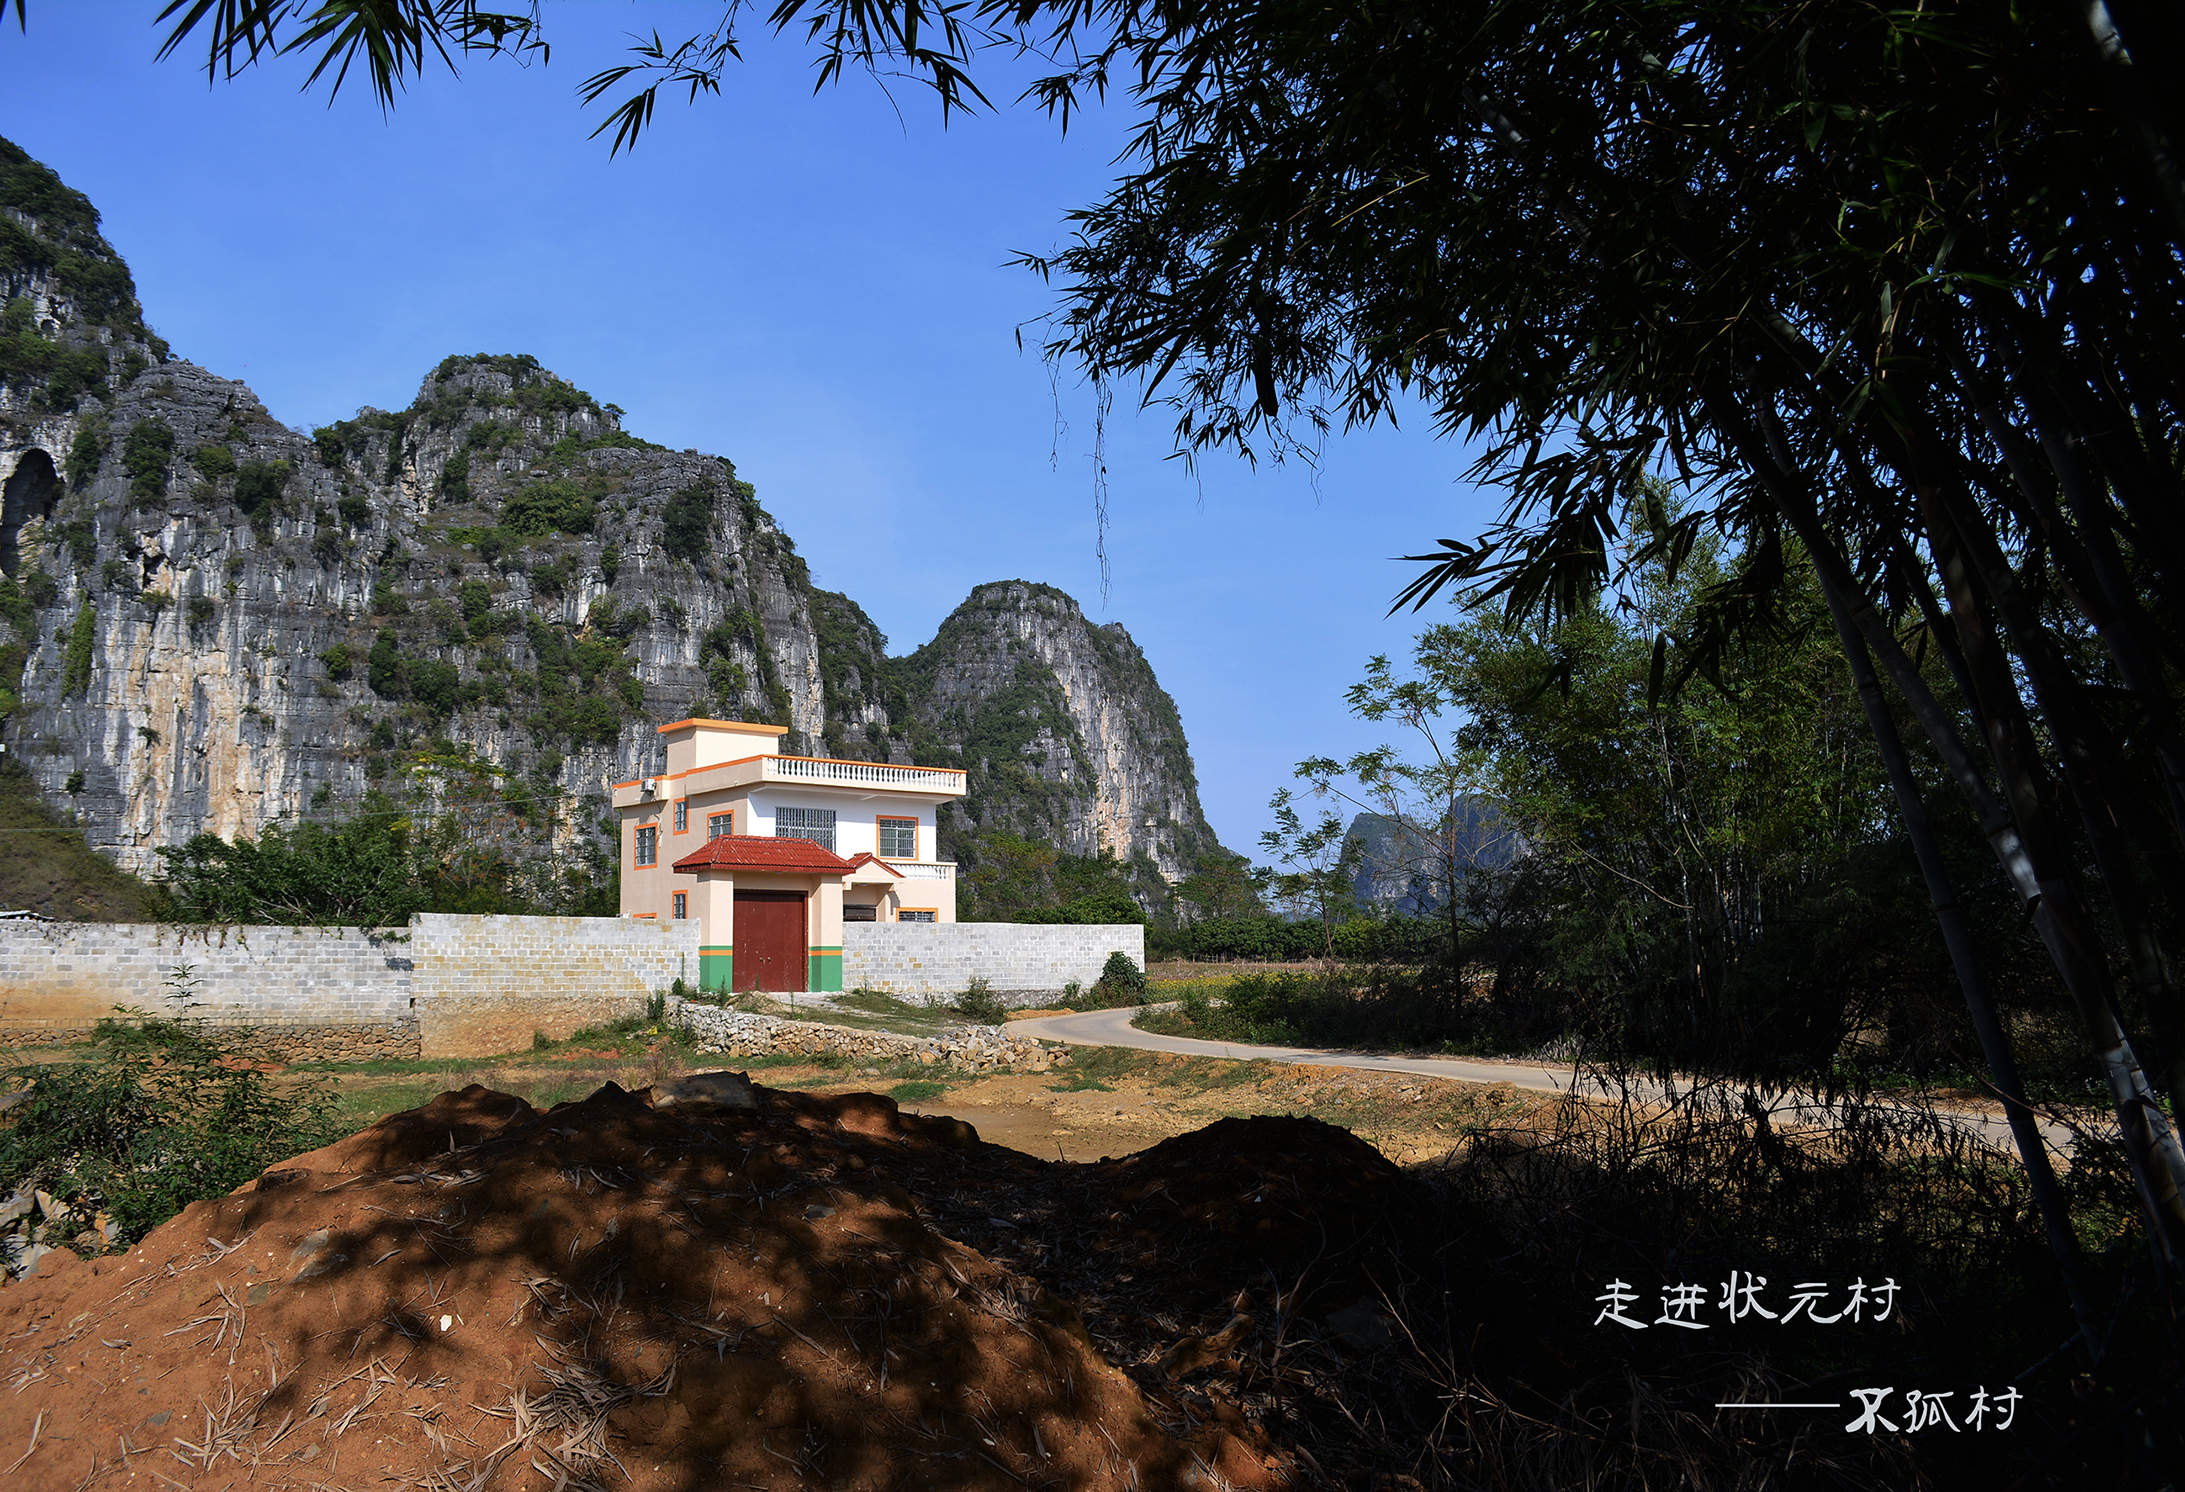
pixel 898 839
pixel 682 815
pixel 682 906
pixel 648 845
pixel 720 825
pixel 908 915
pixel 855 911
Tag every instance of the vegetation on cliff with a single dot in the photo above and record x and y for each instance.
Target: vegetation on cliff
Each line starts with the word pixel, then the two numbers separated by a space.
pixel 50 246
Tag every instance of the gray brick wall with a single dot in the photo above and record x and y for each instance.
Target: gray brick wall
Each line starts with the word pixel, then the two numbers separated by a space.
pixel 446 985
pixel 464 955
pixel 488 984
pixel 941 958
pixel 64 976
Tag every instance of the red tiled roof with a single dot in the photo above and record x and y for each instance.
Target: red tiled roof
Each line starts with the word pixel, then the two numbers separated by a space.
pixel 752 852
pixel 867 857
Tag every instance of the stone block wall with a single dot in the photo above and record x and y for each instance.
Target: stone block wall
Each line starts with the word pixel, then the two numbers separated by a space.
pixel 303 991
pixel 485 984
pixel 1022 961
pixel 445 986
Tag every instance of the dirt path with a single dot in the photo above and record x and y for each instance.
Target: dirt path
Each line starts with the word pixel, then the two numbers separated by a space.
pixel 1163 1096
pixel 1113 1028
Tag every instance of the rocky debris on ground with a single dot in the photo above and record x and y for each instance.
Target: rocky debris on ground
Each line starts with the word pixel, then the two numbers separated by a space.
pixel 33 1223
pixel 740 1033
pixel 479 1295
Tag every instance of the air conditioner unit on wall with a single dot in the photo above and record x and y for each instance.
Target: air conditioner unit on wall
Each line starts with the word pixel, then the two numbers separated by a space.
pixel 650 786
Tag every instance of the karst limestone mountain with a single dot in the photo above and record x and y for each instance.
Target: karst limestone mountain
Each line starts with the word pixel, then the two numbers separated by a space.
pixel 215 623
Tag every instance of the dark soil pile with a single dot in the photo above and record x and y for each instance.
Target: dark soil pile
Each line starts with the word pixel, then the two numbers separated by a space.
pixel 826 1293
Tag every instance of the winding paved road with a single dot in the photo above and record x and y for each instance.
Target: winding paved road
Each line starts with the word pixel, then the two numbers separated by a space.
pixel 1114 1028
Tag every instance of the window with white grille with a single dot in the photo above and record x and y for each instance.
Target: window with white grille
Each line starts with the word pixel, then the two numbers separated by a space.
pixel 898 839
pixel 682 815
pixel 682 906
pixel 720 824
pixel 815 824
pixel 860 911
pixel 648 846
pixel 907 915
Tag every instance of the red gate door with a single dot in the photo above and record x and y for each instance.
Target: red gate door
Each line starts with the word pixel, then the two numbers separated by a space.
pixel 769 946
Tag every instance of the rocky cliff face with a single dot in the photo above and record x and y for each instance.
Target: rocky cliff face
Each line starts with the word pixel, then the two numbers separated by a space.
pixel 1066 735
pixel 222 623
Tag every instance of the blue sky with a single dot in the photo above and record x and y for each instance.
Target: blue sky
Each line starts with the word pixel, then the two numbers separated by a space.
pixel 815 287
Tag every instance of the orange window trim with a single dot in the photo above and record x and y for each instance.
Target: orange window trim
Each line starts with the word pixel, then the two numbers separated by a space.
pixel 891 819
pixel 682 816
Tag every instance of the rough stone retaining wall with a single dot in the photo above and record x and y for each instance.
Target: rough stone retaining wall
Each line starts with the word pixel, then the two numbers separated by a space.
pixel 303 991
pixel 485 984
pixel 1022 961
pixel 736 1033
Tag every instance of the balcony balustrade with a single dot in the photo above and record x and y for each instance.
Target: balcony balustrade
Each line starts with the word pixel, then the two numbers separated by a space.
pixel 875 774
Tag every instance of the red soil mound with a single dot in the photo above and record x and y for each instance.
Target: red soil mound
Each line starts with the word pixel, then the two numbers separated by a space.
pixel 475 1295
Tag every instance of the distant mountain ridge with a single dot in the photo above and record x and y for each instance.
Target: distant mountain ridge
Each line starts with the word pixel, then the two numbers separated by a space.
pixel 1401 863
pixel 216 622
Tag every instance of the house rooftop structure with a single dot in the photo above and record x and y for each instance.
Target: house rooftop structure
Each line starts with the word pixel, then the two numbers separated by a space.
pixel 770 854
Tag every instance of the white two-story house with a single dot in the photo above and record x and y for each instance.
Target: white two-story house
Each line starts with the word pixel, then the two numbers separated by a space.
pixel 771 854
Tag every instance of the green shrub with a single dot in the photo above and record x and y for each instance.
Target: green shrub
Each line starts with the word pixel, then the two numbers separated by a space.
pixel 386 601
pixel 917 1091
pixel 145 454
pixel 610 562
pixel 337 660
pixel 455 478
pixel 979 1003
pixel 258 487
pixel 76 666
pixel 355 512
pixel 214 462
pixel 1120 976
pixel 476 598
pixel 687 522
pixel 86 452
pixel 1108 907
pixel 154 1122
pixel 551 506
pixel 383 668
pixel 201 610
pixel 82 539
pixel 435 685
